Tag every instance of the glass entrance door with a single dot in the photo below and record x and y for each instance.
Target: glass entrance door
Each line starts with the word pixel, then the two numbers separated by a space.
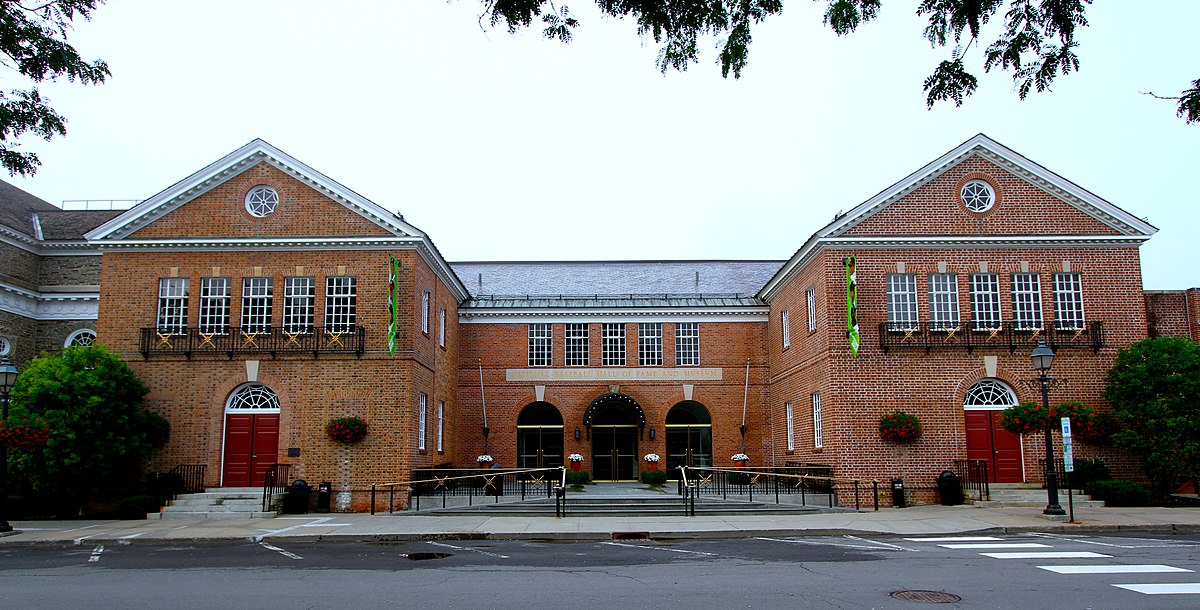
pixel 539 446
pixel 688 446
pixel 614 453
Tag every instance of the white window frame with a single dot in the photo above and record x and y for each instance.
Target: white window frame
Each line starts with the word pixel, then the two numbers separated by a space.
pixel 818 440
pixel 1068 302
pixel 787 329
pixel 575 345
pixel 257 304
pixel 341 303
pixel 810 296
pixel 84 337
pixel 1027 301
pixel 441 419
pixel 172 305
pixel 791 425
pixel 422 399
pixel 442 327
pixel 541 350
pixel 299 304
pixel 943 301
pixel 650 345
pixel 902 301
pixel 612 344
pixel 687 344
pixel 986 313
pixel 215 305
pixel 425 311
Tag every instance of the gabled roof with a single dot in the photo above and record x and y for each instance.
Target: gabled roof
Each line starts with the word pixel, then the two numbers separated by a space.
pixel 215 173
pixel 1128 228
pixel 17 209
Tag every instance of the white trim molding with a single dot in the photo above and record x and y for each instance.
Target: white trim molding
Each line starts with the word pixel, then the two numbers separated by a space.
pixel 56 306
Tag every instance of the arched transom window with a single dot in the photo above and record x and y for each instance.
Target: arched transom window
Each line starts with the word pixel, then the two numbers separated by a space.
pixel 990 394
pixel 253 397
pixel 85 337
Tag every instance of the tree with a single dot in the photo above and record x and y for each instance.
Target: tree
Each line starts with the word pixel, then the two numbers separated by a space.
pixel 99 432
pixel 1154 388
pixel 34 40
pixel 1037 42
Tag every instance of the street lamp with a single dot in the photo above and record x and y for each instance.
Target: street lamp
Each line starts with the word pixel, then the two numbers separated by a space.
pixel 1042 358
pixel 8 378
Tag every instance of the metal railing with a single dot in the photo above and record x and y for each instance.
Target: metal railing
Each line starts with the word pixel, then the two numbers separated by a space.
pixel 192 477
pixel 234 340
pixel 973 475
pixel 275 482
pixel 1011 335
pixel 473 482
pixel 770 482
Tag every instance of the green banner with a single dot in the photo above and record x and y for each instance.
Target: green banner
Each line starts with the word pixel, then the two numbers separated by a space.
pixel 851 264
pixel 393 303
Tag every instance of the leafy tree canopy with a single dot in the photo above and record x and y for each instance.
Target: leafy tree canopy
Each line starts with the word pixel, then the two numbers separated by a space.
pixel 1154 387
pixel 98 430
pixel 1037 42
pixel 33 40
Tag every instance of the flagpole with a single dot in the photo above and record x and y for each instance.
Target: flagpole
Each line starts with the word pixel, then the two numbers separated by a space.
pixel 484 399
pixel 745 399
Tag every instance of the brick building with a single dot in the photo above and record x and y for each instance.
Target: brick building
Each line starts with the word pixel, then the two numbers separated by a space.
pixel 259 298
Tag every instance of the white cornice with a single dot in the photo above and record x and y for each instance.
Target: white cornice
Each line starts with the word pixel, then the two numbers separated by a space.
pixel 632 314
pixel 57 306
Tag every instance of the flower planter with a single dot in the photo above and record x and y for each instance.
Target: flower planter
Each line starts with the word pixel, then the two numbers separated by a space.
pixel 575 466
pixel 740 463
pixel 485 464
pixel 651 465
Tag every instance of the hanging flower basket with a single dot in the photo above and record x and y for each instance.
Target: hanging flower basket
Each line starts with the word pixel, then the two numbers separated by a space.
pixel 346 430
pixel 899 428
pixel 1025 418
pixel 651 460
pixel 1097 430
pixel 24 433
pixel 576 461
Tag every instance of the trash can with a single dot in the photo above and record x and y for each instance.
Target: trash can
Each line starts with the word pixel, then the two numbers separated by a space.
pixel 295 501
pixel 949 488
pixel 324 491
pixel 898 492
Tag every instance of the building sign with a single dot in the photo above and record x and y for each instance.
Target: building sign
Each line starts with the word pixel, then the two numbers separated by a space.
pixel 851 263
pixel 621 374
pixel 393 303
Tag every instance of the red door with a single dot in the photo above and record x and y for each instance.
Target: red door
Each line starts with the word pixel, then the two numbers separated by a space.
pixel 251 446
pixel 1001 449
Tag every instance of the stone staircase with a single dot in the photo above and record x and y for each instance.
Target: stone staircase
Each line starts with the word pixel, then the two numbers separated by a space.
pixel 218 503
pixel 1007 495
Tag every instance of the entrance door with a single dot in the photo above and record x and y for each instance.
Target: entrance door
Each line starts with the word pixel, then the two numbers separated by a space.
pixel 989 442
pixel 539 436
pixel 689 437
pixel 251 446
pixel 614 453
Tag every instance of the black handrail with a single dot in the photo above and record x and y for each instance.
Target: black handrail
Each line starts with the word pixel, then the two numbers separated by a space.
pixel 274 483
pixel 192 477
pixel 973 475
pixel 1011 334
pixel 233 340
pixel 771 481
pixel 471 482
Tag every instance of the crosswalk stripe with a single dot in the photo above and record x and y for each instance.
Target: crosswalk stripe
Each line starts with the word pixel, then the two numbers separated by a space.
pixel 1047 555
pixel 1164 588
pixel 996 545
pixel 1115 569
pixel 956 539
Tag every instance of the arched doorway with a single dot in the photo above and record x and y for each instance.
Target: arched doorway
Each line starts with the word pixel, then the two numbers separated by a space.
pixel 539 436
pixel 986 440
pixel 689 436
pixel 251 435
pixel 614 422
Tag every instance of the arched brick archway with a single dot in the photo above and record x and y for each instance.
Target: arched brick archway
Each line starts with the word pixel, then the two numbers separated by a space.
pixel 251 435
pixel 986 440
pixel 539 436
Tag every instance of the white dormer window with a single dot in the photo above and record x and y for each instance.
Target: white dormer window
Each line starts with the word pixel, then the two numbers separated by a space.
pixel 261 201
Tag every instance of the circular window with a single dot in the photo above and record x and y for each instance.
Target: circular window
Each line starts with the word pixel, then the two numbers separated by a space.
pixel 261 201
pixel 5 346
pixel 978 196
pixel 85 337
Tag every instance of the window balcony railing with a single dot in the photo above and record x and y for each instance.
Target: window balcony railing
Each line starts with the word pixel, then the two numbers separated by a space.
pixel 233 341
pixel 1011 335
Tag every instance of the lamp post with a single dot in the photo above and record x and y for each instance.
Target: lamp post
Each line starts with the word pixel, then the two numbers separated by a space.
pixel 1042 358
pixel 8 377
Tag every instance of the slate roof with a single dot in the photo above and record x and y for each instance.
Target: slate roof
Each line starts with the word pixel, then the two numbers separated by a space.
pixel 71 225
pixel 18 207
pixel 615 283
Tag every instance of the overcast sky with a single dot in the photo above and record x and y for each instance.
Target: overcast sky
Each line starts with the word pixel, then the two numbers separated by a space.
pixel 515 148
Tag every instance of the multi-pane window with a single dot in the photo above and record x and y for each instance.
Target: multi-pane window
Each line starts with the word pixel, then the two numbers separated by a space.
pixel 943 301
pixel 214 305
pixel 818 442
pixel 441 425
pixel 424 311
pixel 650 349
pixel 985 301
pixel 1027 301
pixel 902 301
pixel 1068 301
pixel 791 430
pixel 612 344
pixel 422 399
pixel 687 344
pixel 810 296
pixel 442 327
pixel 298 302
pixel 787 329
pixel 341 303
pixel 576 343
pixel 256 304
pixel 172 305
pixel 539 345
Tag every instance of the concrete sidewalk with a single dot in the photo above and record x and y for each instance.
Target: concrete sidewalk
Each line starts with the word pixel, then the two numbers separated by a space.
pixel 916 520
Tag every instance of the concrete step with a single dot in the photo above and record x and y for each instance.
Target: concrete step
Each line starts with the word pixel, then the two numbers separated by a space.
pixel 166 516
pixel 220 503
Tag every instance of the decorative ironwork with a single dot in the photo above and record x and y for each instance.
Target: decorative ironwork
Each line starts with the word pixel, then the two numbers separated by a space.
pixel 192 476
pixel 766 481
pixel 974 476
pixel 236 341
pixel 1011 335
pixel 472 482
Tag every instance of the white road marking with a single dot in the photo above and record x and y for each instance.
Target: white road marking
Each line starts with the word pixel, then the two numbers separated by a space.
pixel 956 539
pixel 325 524
pixel 886 545
pixel 271 547
pixel 129 539
pixel 96 552
pixel 821 543
pixel 467 548
pixel 1164 588
pixel 1165 544
pixel 1047 555
pixel 86 527
pixel 316 521
pixel 996 545
pixel 1117 569
pixel 660 548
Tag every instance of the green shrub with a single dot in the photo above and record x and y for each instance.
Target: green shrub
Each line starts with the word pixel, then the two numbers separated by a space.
pixel 136 507
pixel 1088 471
pixel 582 477
pixel 164 485
pixel 654 477
pixel 1117 492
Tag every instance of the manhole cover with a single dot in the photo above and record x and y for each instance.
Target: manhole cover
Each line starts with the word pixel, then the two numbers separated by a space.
pixel 926 597
pixel 421 556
